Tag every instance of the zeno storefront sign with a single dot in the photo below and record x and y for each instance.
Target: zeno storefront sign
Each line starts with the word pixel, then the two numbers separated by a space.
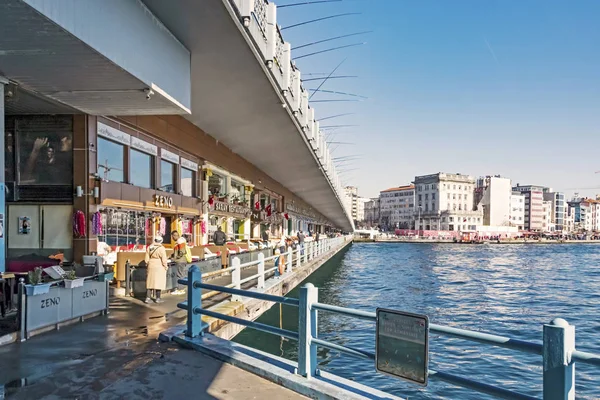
pixel 163 201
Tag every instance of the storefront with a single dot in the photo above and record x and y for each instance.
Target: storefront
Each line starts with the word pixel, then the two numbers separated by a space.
pixel 39 190
pixel 227 204
pixel 267 215
pixel 300 218
pixel 146 188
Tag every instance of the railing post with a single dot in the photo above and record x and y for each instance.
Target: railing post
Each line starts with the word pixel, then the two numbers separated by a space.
pixel 194 300
pixel 289 260
pixel 307 329
pixel 236 277
pixel 261 271
pixel 305 251
pixel 559 372
pixel 299 254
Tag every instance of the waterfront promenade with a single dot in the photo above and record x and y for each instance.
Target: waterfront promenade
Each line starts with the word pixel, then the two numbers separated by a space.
pixel 119 356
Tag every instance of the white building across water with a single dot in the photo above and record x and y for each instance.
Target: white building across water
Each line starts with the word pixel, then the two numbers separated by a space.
pixel 446 202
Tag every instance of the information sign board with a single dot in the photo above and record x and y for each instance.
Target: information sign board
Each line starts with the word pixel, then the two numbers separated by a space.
pixel 402 345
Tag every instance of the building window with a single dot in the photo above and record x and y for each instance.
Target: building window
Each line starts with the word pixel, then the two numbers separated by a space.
pixel 460 196
pixel 426 196
pixel 460 207
pixel 217 185
pixel 238 192
pixel 466 207
pixel 167 176
pixel 111 158
pixel 141 168
pixel 454 196
pixel 448 196
pixel 187 182
pixel 420 197
pixel 432 196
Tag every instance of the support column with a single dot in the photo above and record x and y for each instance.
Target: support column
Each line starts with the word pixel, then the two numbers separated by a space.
pixel 3 232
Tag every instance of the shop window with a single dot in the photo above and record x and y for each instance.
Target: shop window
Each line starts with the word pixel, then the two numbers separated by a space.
pixel 264 200
pixel 187 230
pixel 187 182
pixel 125 228
pixel 110 160
pixel 167 176
pixel 237 191
pixel 46 157
pixel 141 168
pixel 217 185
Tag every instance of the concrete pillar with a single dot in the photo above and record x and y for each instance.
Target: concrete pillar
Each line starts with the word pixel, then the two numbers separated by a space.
pixel 3 233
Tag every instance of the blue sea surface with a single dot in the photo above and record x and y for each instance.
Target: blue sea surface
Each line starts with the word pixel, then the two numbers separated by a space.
pixel 510 290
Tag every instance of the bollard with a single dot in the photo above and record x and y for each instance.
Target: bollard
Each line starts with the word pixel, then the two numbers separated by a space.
pixel 236 277
pixel 22 310
pixel 307 329
pixel 194 300
pixel 559 372
pixel 261 271
pixel 289 260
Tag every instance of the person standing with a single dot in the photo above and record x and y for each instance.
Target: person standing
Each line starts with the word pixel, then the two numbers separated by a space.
pixel 181 259
pixel 157 264
pixel 265 237
pixel 219 237
pixel 301 242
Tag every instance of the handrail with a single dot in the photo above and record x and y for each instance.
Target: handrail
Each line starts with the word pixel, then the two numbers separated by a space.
pixel 559 342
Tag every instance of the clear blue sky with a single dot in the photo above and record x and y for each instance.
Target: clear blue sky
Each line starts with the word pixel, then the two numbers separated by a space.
pixel 473 86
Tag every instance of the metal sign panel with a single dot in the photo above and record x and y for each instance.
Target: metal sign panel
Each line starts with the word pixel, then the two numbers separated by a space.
pixel 89 298
pixel 49 309
pixel 402 345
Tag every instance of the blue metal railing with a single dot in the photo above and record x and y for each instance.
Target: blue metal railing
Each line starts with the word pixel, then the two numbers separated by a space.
pixel 557 350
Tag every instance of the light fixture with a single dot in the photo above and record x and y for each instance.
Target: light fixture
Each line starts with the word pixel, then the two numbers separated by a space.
pixel 284 105
pixel 246 21
pixel 79 191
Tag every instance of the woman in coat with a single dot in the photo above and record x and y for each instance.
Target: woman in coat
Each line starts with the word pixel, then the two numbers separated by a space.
pixel 157 263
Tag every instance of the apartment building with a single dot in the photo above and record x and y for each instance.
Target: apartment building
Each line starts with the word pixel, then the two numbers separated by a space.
pixel 534 208
pixel 547 217
pixel 446 202
pixel 517 210
pixel 558 207
pixel 493 197
pixel 355 204
pixel 372 212
pixel 397 207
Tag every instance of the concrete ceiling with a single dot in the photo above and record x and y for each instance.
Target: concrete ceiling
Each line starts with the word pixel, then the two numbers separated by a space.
pixel 234 101
pixel 41 57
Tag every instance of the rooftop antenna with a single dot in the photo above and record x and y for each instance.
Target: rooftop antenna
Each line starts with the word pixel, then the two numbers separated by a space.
pixel 319 19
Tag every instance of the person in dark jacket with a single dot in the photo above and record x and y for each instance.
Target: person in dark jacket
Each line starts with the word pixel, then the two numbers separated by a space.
pixel 219 237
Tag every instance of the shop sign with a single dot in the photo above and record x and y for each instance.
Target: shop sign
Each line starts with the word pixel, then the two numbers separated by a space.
pixel 299 210
pixel 111 133
pixel 144 146
pixel 169 156
pixel 229 208
pixel 163 201
pixel 261 217
pixel 189 164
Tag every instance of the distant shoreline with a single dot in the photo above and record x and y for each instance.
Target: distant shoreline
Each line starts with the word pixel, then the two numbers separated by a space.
pixel 535 242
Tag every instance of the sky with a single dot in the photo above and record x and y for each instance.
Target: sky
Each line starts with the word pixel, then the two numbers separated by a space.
pixel 492 87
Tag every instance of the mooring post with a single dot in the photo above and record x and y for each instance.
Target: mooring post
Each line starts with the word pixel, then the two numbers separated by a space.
pixel 559 371
pixel 307 329
pixel 261 271
pixel 194 301
pixel 236 277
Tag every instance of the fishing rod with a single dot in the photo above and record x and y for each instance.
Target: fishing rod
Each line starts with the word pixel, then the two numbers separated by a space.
pixel 319 19
pixel 330 39
pixel 342 93
pixel 326 79
pixel 335 116
pixel 329 50
pixel 307 3
pixel 331 77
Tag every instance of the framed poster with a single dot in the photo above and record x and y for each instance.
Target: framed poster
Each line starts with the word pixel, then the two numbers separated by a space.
pixel 402 345
pixel 24 227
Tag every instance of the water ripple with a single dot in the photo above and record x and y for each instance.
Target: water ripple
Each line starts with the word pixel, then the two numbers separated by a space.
pixel 509 290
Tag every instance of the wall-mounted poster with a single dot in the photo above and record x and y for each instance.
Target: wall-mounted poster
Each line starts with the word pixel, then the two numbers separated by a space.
pixel 24 225
pixel 1 226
